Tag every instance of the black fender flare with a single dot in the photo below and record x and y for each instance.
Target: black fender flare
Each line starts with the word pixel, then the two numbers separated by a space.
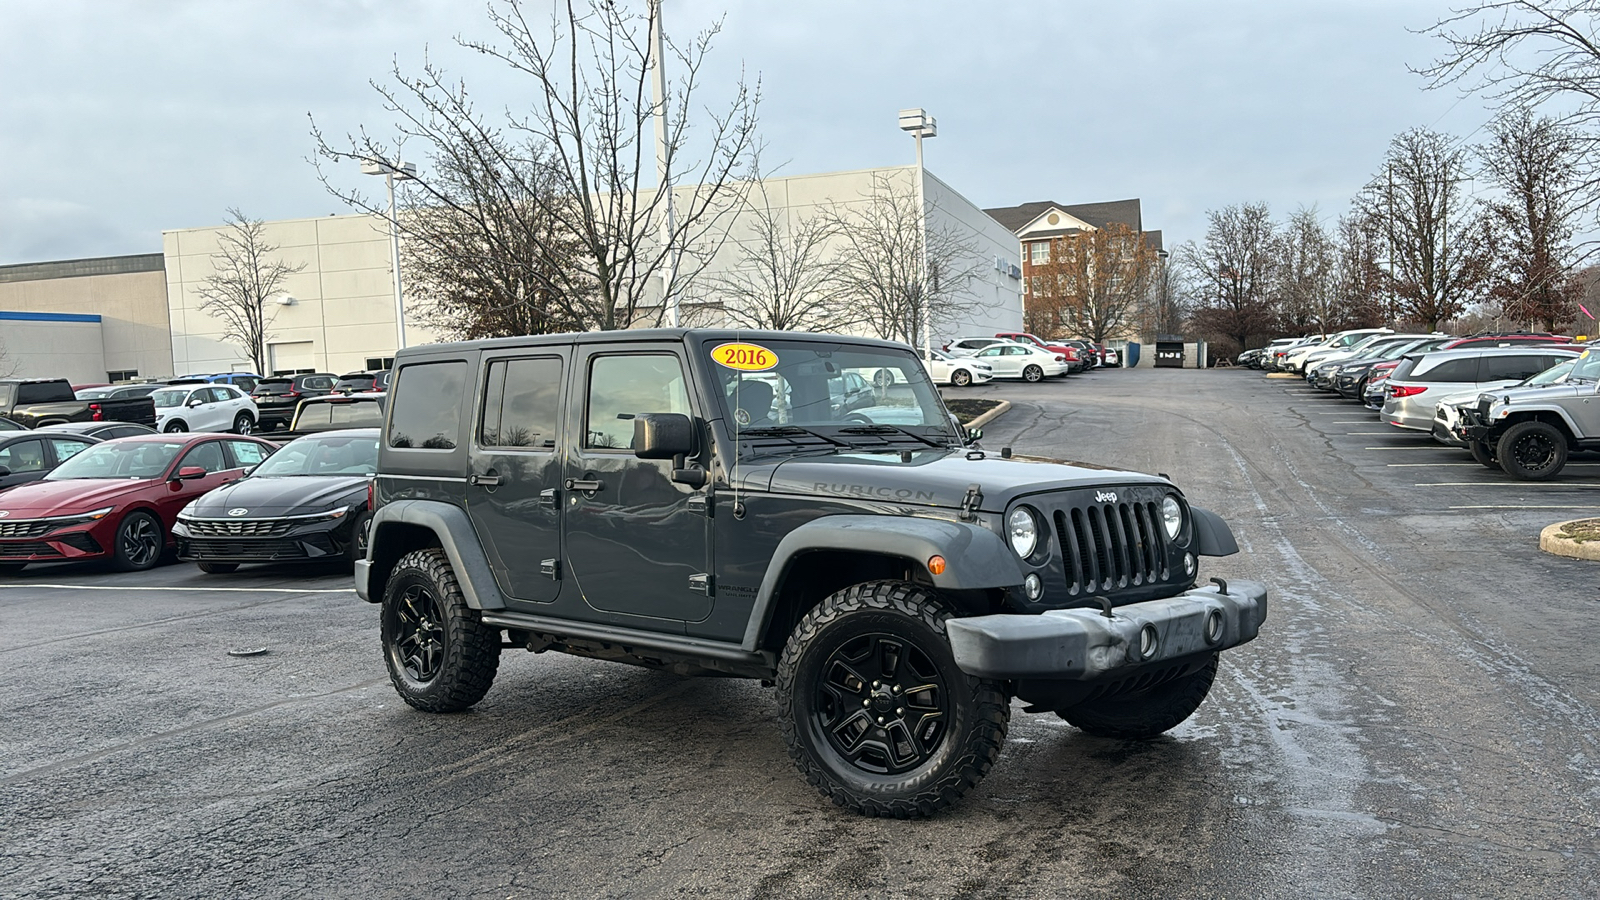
pixel 457 538
pixel 1212 536
pixel 977 557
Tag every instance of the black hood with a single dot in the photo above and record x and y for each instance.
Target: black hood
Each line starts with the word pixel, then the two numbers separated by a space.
pixel 281 496
pixel 933 477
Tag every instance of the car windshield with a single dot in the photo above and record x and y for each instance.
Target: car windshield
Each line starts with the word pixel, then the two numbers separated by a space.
pixel 119 459
pixel 1555 373
pixel 1586 367
pixel 169 399
pixel 312 456
pixel 851 395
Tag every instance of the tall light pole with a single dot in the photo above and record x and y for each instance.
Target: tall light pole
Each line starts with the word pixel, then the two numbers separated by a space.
pixel 658 85
pixel 922 125
pixel 392 172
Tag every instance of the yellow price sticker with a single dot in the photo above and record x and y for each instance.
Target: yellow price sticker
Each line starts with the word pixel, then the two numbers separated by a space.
pixel 744 357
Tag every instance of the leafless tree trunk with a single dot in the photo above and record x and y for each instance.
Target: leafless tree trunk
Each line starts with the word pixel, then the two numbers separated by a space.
pixel 1437 241
pixel 1359 279
pixel 1232 273
pixel 1305 289
pixel 1095 282
pixel 1533 163
pixel 782 276
pixel 879 262
pixel 245 277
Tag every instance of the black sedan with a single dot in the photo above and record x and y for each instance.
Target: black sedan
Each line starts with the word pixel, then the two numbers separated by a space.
pixel 307 502
pixel 105 431
pixel 30 455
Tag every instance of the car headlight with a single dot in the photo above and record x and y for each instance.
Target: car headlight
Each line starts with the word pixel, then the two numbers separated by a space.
pixel 1171 517
pixel 1022 530
pixel 66 521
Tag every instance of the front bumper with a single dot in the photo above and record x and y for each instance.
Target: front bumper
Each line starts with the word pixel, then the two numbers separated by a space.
pixel 1084 645
pixel 318 541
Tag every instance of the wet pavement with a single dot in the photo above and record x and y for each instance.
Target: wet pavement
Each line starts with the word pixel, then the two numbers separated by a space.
pixel 1417 719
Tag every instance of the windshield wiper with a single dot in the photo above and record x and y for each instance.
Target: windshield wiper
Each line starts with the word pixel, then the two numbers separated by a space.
pixel 890 429
pixel 788 431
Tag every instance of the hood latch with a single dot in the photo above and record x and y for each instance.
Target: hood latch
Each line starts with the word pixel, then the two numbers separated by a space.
pixel 969 503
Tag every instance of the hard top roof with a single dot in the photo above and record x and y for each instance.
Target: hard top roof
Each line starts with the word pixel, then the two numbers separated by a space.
pixel 679 335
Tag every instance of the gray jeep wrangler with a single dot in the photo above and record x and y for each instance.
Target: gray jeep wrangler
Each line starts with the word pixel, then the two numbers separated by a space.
pixel 795 508
pixel 1528 430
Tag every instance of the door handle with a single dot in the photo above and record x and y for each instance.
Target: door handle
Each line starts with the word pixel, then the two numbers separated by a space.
pixel 484 480
pixel 587 485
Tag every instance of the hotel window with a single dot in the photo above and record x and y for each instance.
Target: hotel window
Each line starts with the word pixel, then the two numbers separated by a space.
pixel 1041 252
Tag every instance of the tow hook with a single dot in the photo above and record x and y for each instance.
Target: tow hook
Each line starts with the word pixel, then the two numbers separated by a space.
pixel 1222 586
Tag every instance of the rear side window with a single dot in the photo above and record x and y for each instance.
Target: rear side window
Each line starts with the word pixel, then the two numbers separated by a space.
pixel 45 392
pixel 521 401
pixel 1462 371
pixel 427 405
pixel 1514 368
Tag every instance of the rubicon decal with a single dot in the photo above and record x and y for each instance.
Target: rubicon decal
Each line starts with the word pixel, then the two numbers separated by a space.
pixel 875 492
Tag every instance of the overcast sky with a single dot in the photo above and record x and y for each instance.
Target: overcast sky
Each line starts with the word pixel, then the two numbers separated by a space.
pixel 121 119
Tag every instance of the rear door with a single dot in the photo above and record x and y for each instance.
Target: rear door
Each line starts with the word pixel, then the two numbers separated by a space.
pixel 636 542
pixel 514 487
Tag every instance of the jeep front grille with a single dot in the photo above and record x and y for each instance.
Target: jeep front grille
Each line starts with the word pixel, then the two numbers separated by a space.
pixel 1106 547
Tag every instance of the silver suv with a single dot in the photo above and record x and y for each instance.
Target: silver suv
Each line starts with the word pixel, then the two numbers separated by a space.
pixel 1420 381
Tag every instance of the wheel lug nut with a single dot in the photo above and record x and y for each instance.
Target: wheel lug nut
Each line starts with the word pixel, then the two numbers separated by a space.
pixel 877 684
pixel 897 689
pixel 900 711
pixel 880 720
pixel 866 703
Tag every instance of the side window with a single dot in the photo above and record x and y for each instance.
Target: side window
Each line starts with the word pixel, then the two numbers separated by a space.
pixel 207 456
pixel 1453 370
pixel 521 400
pixel 23 456
pixel 67 449
pixel 1501 368
pixel 427 405
pixel 246 453
pixel 622 386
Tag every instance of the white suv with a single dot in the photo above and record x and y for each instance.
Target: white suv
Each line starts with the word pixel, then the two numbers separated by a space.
pixel 204 407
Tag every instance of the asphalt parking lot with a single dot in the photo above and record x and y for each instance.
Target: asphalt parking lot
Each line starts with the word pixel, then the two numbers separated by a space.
pixel 1417 719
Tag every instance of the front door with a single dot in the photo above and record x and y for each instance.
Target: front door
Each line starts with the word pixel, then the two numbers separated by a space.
pixel 514 488
pixel 635 544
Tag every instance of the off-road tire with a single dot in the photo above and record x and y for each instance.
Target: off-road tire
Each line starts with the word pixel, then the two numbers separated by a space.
pixel 961 378
pixel 1484 454
pixel 1032 373
pixel 465 652
pixel 216 568
pixel 1512 451
pixel 1146 714
pixel 243 424
pixel 977 710
pixel 130 545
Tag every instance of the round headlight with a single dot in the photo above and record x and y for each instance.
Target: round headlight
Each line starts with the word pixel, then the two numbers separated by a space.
pixel 1022 531
pixel 1171 517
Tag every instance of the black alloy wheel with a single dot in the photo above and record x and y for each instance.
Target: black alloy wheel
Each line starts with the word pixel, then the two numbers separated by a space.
pixel 1032 373
pixel 881 704
pixel 1532 451
pixel 138 543
pixel 360 535
pixel 441 657
pixel 961 378
pixel 419 633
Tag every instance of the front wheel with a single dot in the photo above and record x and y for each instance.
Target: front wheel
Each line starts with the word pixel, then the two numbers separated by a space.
pixel 1146 714
pixel 961 378
pixel 174 427
pixel 1032 374
pixel 1532 451
pixel 876 714
pixel 440 655
pixel 243 424
pixel 138 542
pixel 360 532
pixel 1483 452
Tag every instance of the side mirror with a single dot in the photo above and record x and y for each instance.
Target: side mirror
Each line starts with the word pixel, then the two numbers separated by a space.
pixel 193 403
pixel 191 473
pixel 974 435
pixel 4 471
pixel 662 435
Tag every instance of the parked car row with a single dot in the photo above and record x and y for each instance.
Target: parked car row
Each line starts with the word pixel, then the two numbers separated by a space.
pixel 1027 357
pixel 1519 402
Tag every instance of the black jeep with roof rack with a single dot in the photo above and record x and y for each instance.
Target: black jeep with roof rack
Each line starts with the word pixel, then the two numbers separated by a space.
pixel 713 502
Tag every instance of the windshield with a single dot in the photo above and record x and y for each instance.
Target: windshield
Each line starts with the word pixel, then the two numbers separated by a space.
pixel 169 399
pixel 119 459
pixel 322 456
pixel 852 394
pixel 1587 367
pixel 1555 373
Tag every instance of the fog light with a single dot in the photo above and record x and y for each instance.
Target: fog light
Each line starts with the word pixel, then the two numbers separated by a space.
pixel 1188 564
pixel 1213 631
pixel 1032 586
pixel 1149 642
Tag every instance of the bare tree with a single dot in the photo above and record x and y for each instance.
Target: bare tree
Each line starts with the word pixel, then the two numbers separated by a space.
pixel 577 172
pixel 782 276
pixel 1533 162
pixel 879 262
pixel 1438 251
pixel 1359 279
pixel 245 276
pixel 1095 282
pixel 1231 273
pixel 1305 290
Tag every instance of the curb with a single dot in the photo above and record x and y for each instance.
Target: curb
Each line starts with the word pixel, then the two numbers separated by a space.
pixel 1552 541
pixel 991 415
pixel 1284 375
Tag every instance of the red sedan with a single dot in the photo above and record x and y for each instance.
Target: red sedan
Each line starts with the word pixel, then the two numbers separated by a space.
pixel 118 500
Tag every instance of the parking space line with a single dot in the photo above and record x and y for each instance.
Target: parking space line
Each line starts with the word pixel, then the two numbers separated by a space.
pixel 1371 433
pixel 1527 506
pixel 207 590
pixel 1548 484
pixel 1429 447
pixel 1466 464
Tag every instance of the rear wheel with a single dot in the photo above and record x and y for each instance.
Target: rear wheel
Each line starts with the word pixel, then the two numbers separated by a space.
pixel 138 543
pixel 1032 373
pixel 1145 714
pixel 243 424
pixel 216 568
pixel 440 655
pixel 1532 451
pixel 1483 452
pixel 961 378
pixel 876 714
